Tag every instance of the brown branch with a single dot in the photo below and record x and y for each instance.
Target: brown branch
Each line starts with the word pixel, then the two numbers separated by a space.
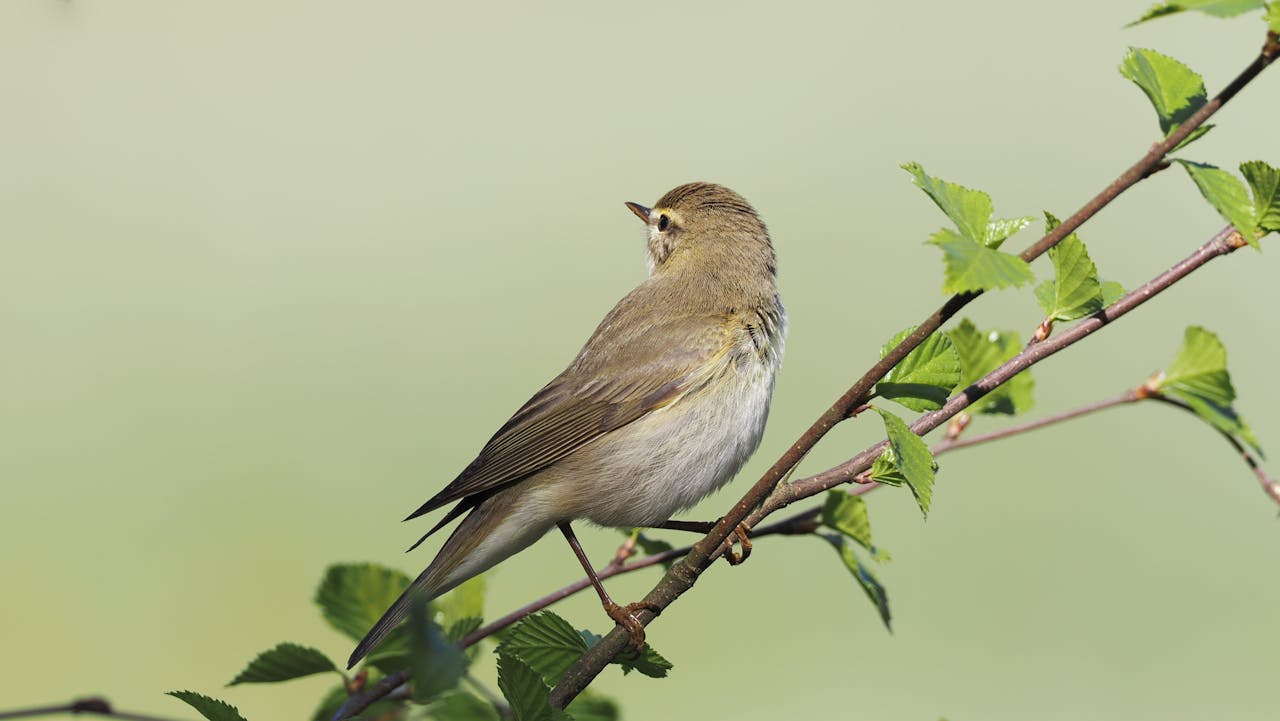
pixel 952 444
pixel 91 706
pixel 684 573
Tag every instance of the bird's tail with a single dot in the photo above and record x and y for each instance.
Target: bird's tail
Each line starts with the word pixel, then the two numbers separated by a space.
pixel 487 536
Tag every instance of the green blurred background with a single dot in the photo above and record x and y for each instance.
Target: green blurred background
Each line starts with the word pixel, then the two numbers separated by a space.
pixel 270 274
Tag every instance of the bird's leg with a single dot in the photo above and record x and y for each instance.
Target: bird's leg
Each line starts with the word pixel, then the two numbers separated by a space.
pixel 624 616
pixel 741 532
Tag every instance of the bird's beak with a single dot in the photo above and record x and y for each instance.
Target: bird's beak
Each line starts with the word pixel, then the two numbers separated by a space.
pixel 641 212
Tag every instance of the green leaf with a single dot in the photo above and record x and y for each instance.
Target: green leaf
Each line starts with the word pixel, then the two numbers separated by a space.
pixel 871 586
pixel 546 643
pixel 998 231
pixel 462 628
pixel 464 602
pixel 969 209
pixel 650 546
pixel 1227 195
pixel 912 456
pixel 982 352
pixel 925 378
pixel 648 662
pixel 590 706
pixel 525 690
pixel 437 664
pixel 1217 8
pixel 848 515
pixel 461 706
pixel 284 662
pixel 885 470
pixel 1264 181
pixel 1111 292
pixel 1076 291
pixel 1175 90
pixel 1273 17
pixel 1200 368
pixel 971 266
pixel 353 596
pixel 211 708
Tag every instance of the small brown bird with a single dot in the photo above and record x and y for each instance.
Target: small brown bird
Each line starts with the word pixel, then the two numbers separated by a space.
pixel 663 405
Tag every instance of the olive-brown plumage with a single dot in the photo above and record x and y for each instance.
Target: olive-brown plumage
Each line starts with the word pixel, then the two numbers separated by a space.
pixel 662 406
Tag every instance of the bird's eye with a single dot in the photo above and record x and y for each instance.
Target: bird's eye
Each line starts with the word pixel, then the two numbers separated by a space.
pixel 663 222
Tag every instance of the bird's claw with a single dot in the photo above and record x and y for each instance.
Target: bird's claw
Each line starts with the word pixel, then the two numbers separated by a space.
pixel 625 616
pixel 732 556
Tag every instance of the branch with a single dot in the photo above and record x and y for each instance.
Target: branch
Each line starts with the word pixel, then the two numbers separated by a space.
pixel 1270 486
pixel 952 444
pixel 684 573
pixel 93 705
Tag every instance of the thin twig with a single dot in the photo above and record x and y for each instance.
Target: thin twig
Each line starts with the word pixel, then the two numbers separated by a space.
pixel 1270 486
pixel 91 706
pixel 1129 396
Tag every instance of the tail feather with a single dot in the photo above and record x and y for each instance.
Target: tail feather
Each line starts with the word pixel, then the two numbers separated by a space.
pixel 487 536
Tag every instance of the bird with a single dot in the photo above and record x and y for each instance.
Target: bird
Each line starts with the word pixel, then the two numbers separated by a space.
pixel 663 405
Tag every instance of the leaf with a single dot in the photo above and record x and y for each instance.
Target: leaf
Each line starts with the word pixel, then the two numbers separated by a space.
pixel 885 470
pixel 998 231
pixel 871 586
pixel 461 706
pixel 648 662
pixel 1227 195
pixel 848 515
pixel 464 602
pixel 1111 292
pixel 1217 8
pixel 590 706
pixel 1198 376
pixel 525 691
pixel 284 662
pixel 982 352
pixel 1075 292
pixel 1175 90
pixel 974 267
pixel 353 596
pixel 1264 181
pixel 437 664
pixel 1273 17
pixel 969 209
pixel 546 643
pixel 650 546
pixel 925 378
pixel 912 456
pixel 211 708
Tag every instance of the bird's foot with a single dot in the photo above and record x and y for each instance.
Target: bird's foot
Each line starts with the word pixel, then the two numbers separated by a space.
pixel 743 540
pixel 625 616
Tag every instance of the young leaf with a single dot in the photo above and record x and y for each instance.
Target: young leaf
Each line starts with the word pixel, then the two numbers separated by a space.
pixel 1227 195
pixel 972 266
pixel 437 663
pixel 1264 181
pixel 1175 90
pixel 648 662
pixel 589 706
pixel 848 515
pixel 885 470
pixel 1111 292
pixel 980 353
pixel 1217 8
pixel 969 209
pixel 925 378
pixel 1273 17
pixel 1198 376
pixel 525 691
pixel 1075 291
pixel 998 231
pixel 211 708
pixel 461 706
pixel 871 586
pixel 285 661
pixel 353 596
pixel 914 461
pixel 546 643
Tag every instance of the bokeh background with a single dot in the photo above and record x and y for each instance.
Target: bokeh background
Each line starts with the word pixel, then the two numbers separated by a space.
pixel 270 274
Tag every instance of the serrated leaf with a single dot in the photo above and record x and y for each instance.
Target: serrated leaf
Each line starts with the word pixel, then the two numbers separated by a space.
pixel 462 628
pixel 969 209
pixel 590 706
pixel 912 456
pixel 1175 90
pixel 437 664
pixel 1264 181
pixel 925 378
pixel 1111 292
pixel 885 470
pixel 285 661
pixel 525 690
pixel 211 708
pixel 546 643
pixel 871 586
pixel 1077 292
pixel 971 266
pixel 352 596
pixel 1224 418
pixel 848 515
pixel 1217 8
pixel 1227 195
pixel 1200 368
pixel 648 662
pixel 998 231
pixel 982 352
pixel 462 706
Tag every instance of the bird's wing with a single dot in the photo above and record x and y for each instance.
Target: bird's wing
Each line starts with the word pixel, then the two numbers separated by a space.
pixel 584 402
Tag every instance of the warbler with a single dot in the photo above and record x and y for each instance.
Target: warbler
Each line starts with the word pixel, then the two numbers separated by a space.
pixel 661 407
